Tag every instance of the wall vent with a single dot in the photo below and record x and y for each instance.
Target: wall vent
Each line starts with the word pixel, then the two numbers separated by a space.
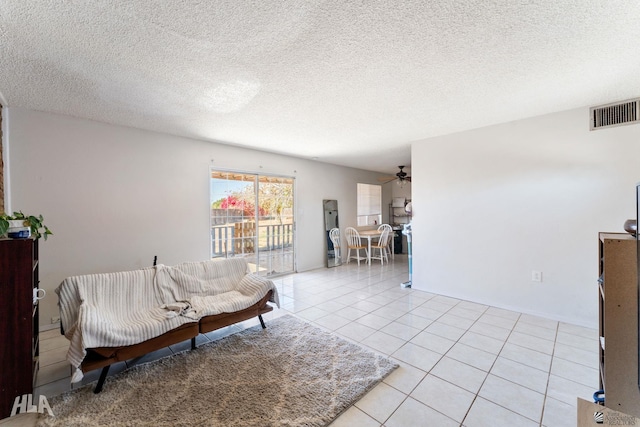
pixel 618 114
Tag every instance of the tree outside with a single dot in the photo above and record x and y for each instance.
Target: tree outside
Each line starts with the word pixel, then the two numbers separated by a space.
pixel 275 201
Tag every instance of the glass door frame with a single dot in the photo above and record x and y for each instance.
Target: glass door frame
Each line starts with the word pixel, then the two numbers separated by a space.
pixel 257 251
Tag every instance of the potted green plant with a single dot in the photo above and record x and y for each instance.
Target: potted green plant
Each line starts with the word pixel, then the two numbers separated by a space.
pixel 19 219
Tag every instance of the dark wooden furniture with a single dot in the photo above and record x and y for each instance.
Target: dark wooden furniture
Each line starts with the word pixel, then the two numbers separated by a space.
pixel 19 345
pixel 618 306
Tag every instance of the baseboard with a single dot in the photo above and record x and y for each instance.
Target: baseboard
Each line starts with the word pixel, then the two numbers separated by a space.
pixel 50 327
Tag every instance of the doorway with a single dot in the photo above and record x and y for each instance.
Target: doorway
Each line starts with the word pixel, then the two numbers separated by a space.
pixel 252 217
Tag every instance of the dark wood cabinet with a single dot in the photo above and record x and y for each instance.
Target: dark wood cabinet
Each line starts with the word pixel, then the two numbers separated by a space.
pixel 19 345
pixel 618 306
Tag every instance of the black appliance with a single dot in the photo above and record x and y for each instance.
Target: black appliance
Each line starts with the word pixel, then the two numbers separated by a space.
pixel 397 240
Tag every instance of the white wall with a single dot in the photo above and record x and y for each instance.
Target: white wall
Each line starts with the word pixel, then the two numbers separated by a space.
pixel 493 204
pixel 115 197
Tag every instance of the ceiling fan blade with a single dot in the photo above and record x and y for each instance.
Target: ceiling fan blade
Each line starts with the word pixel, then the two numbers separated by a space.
pixel 408 178
pixel 385 179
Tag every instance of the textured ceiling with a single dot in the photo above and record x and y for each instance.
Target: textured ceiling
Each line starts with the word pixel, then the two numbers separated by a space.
pixel 346 82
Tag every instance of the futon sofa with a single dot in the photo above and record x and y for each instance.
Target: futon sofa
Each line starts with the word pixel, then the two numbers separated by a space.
pixel 113 317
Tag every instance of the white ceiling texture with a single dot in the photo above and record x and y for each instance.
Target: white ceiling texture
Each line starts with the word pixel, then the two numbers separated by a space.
pixel 345 82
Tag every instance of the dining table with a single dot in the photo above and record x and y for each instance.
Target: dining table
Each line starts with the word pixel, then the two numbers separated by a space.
pixel 375 234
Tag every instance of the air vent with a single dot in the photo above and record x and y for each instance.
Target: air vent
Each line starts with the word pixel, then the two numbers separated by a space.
pixel 618 114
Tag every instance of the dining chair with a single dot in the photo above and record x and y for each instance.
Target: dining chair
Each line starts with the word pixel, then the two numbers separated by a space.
pixel 354 242
pixel 334 235
pixel 387 227
pixel 382 245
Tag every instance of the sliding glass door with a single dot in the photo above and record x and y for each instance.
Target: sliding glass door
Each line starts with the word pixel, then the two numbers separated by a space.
pixel 252 217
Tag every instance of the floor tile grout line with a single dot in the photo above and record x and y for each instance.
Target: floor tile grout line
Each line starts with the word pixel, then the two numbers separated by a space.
pixel 477 395
pixel 429 373
pixel 546 393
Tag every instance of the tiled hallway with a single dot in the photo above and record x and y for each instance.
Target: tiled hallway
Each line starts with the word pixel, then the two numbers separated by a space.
pixel 461 363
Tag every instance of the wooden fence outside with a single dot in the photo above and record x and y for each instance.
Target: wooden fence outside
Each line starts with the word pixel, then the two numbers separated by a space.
pixel 239 238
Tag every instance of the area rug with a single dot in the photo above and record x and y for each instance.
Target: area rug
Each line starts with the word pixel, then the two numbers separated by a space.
pixel 290 374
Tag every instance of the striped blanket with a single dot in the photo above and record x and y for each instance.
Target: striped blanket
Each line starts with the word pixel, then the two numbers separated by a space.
pixel 126 308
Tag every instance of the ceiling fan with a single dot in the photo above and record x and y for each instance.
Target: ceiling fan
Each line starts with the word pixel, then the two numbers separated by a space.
pixel 400 176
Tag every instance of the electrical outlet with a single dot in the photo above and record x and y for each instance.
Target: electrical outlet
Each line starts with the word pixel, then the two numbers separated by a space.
pixel 536 276
pixel 55 319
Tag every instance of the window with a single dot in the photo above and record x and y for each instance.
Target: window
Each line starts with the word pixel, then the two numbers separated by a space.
pixel 369 204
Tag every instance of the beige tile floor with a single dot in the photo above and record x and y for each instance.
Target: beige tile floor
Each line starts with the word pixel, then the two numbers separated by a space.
pixel 461 363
